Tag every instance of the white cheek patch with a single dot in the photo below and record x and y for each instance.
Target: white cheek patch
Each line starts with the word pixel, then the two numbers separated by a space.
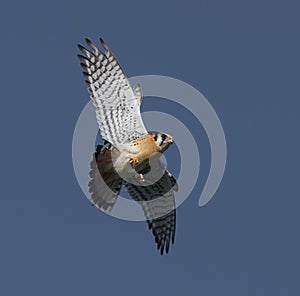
pixel 159 139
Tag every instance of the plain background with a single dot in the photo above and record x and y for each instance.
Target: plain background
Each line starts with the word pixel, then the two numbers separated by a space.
pixel 244 57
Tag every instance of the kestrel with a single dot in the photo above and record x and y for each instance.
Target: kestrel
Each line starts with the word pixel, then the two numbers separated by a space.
pixel 130 155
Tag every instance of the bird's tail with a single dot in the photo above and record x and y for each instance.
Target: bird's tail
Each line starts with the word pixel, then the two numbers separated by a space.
pixel 105 183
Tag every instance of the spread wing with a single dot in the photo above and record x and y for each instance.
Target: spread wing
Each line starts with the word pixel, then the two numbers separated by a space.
pixel 158 204
pixel 155 194
pixel 117 104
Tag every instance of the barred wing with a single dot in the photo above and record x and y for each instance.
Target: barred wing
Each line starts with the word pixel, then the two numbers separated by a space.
pixel 155 194
pixel 117 104
pixel 158 204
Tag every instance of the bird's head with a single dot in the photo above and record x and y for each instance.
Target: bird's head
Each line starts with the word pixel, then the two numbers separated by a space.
pixel 162 140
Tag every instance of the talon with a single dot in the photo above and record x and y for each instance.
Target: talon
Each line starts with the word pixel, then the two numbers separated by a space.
pixel 134 160
pixel 142 177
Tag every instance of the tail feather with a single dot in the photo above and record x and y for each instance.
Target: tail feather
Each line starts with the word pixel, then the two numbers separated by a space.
pixel 105 184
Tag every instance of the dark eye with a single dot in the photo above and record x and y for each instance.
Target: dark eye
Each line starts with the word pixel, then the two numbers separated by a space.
pixel 155 137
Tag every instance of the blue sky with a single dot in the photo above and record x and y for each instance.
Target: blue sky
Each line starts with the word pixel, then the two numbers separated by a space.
pixel 244 57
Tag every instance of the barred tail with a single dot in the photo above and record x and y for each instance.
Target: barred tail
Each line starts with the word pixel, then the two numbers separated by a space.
pixel 105 183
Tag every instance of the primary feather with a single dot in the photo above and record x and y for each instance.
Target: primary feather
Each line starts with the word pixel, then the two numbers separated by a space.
pixel 117 104
pixel 124 138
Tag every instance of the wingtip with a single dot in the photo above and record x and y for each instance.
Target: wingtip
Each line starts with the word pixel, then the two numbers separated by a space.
pixel 102 41
pixel 80 47
pixel 83 49
pixel 162 250
pixel 87 40
pixel 90 44
pixel 173 238
pixel 104 44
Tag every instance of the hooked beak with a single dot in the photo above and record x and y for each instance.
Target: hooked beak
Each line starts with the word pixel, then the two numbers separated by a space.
pixel 169 140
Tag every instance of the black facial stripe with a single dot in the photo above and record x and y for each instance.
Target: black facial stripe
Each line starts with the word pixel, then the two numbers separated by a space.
pixel 155 137
pixel 163 137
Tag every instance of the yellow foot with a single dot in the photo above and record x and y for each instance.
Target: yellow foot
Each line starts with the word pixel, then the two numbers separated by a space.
pixel 134 160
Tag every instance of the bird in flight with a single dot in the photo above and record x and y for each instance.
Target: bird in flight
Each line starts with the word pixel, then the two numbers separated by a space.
pixel 130 155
